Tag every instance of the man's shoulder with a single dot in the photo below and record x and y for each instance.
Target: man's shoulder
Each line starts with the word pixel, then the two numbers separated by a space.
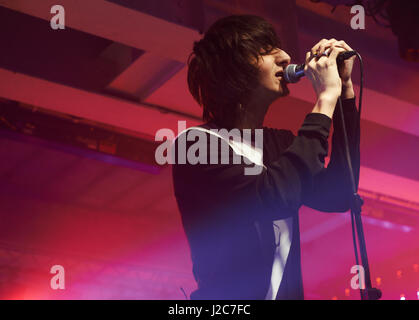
pixel 195 133
pixel 283 135
pixel 274 135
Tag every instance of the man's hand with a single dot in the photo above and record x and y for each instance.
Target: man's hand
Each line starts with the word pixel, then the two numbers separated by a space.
pixel 345 72
pixel 344 69
pixel 322 70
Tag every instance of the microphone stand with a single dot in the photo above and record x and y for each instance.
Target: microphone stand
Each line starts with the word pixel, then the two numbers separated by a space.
pixel 368 292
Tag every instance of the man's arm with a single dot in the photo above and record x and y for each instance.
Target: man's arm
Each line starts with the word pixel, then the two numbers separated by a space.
pixel 347 90
pixel 331 190
pixel 276 192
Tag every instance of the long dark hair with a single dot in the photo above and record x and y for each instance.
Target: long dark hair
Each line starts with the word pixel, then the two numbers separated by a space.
pixel 221 68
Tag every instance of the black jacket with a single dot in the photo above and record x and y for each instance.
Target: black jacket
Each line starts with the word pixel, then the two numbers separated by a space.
pixel 227 216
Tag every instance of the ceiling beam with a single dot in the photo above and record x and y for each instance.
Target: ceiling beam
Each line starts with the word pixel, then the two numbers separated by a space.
pixel 100 108
pixel 145 75
pixel 117 23
pixel 174 42
pixel 376 107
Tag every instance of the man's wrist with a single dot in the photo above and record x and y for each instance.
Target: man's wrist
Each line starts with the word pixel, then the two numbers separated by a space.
pixel 347 83
pixel 347 90
pixel 326 104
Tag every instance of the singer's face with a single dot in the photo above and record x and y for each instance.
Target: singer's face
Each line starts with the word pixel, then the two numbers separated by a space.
pixel 269 66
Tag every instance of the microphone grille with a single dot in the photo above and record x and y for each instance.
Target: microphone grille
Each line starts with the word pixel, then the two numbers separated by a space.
pixel 289 73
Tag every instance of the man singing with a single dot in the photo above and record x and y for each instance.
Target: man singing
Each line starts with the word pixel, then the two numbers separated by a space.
pixel 243 230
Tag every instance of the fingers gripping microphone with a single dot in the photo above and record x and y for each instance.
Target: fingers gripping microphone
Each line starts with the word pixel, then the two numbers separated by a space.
pixel 294 72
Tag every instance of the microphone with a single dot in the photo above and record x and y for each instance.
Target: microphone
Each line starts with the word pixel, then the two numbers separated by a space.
pixel 294 72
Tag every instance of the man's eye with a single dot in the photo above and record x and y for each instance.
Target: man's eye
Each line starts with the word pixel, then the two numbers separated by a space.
pixel 269 52
pixel 265 51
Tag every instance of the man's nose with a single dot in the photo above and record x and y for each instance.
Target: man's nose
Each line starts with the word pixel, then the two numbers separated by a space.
pixel 283 59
